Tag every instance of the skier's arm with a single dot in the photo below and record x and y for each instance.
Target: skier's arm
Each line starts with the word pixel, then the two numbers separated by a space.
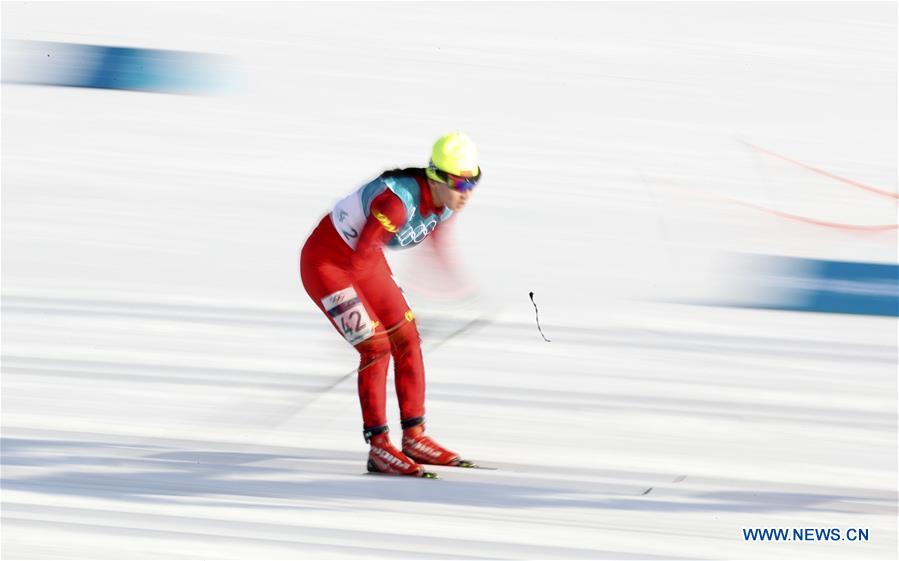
pixel 438 271
pixel 387 215
pixel 440 242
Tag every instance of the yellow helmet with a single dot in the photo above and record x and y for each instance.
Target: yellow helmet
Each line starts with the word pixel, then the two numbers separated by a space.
pixel 456 154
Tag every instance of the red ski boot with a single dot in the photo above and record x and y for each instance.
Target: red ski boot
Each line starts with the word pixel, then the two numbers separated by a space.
pixel 385 458
pixel 423 449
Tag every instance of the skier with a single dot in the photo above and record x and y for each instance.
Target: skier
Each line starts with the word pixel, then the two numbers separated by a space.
pixel 344 271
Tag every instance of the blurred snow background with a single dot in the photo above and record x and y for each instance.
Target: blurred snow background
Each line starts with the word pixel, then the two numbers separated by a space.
pixel 159 352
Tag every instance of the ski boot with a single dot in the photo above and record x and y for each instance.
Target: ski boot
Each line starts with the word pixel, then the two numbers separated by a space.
pixel 423 449
pixel 384 458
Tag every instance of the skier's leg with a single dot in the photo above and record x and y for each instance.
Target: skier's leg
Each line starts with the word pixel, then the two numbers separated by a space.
pixel 338 297
pixel 374 360
pixel 388 302
pixel 409 370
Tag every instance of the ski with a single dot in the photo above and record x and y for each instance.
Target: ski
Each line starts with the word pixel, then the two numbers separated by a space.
pixel 463 464
pixel 468 464
pixel 422 475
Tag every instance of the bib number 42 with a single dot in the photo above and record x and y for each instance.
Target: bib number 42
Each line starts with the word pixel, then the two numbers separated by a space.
pixel 349 316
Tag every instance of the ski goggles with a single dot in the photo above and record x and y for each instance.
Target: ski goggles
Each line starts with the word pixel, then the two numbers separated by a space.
pixel 455 182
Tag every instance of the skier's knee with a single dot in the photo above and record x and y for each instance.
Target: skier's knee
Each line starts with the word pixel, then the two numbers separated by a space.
pixel 374 348
pixel 405 339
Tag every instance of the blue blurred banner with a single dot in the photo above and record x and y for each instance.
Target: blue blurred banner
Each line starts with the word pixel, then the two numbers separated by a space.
pixel 814 285
pixel 118 68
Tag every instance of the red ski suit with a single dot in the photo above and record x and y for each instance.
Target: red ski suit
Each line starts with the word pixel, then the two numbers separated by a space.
pixel 328 266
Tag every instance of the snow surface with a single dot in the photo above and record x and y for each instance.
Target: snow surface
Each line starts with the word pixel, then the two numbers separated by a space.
pixel 162 366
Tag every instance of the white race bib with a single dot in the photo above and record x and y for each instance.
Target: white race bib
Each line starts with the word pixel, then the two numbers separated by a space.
pixel 349 315
pixel 348 218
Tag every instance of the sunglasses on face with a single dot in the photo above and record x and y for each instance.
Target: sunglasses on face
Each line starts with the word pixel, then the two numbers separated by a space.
pixel 456 182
